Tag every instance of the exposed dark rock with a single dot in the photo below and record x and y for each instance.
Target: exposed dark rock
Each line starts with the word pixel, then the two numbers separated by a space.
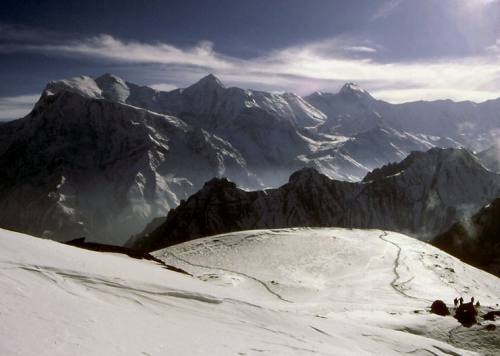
pixel 431 191
pixel 491 157
pixel 392 168
pixel 439 307
pixel 93 246
pixel 476 241
pixel 491 315
pixel 490 327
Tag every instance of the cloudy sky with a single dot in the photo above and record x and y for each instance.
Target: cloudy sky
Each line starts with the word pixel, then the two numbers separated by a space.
pixel 399 50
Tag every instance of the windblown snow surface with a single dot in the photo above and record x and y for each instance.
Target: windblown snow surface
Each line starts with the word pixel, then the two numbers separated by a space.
pixel 275 292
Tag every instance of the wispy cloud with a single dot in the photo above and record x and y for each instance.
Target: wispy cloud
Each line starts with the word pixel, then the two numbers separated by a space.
pixel 107 47
pixel 480 2
pixel 14 107
pixel 319 65
pixel 363 49
pixel 495 48
pixel 386 9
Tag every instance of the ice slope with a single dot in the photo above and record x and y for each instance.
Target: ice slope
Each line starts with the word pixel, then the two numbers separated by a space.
pixel 282 292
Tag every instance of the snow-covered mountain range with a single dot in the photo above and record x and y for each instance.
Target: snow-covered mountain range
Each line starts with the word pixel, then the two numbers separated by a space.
pixel 102 157
pixel 422 195
pixel 300 292
pixel 474 125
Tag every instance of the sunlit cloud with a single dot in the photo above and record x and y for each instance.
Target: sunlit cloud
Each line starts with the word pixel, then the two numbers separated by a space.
pixel 14 107
pixel 364 49
pixel 107 47
pixel 321 65
pixel 480 2
pixel 163 86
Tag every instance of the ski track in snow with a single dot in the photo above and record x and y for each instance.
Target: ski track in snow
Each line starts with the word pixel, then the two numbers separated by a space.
pixel 397 277
pixel 262 283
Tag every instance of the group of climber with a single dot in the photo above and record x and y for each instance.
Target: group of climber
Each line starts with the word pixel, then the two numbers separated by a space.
pixel 460 301
pixel 466 313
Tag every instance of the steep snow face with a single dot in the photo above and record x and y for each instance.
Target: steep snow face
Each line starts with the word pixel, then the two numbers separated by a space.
pixel 282 292
pixel 219 105
pixel 354 110
pixel 95 168
pixel 475 125
pixel 389 144
pixel 423 195
pixel 82 85
pixel 349 112
pixel 113 88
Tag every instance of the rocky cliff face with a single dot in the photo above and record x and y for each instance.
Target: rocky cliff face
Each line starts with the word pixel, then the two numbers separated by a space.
pixel 490 158
pixel 78 166
pixel 476 240
pixel 423 195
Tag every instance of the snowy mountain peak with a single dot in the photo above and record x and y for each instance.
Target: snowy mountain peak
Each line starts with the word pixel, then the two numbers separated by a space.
pixel 107 86
pixel 109 77
pixel 113 87
pixel 318 93
pixel 209 82
pixel 353 89
pixel 433 160
pixel 216 183
pixel 307 174
pixel 83 85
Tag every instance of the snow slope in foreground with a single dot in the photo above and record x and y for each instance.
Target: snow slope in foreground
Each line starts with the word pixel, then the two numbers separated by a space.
pixel 280 292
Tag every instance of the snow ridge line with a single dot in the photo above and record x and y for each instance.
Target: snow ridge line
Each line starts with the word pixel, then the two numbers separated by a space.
pixel 230 271
pixel 394 283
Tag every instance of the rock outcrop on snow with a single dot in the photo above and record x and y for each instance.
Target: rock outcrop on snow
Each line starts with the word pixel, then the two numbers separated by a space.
pixel 423 195
pixel 439 307
pixel 476 240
